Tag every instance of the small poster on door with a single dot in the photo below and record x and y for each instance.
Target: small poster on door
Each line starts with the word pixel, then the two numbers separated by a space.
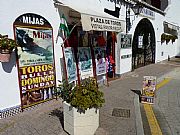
pixel 148 91
pixel 140 41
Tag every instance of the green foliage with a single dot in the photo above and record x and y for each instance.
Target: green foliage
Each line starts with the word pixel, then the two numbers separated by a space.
pixel 83 96
pixel 65 91
pixel 7 43
pixel 168 37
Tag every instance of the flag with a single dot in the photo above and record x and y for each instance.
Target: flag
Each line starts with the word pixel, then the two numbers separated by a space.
pixel 64 27
pixel 63 31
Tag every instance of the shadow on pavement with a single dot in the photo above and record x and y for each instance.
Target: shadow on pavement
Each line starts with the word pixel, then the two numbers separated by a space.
pixel 138 92
pixel 58 113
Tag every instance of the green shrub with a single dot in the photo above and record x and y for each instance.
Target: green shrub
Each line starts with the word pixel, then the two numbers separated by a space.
pixel 7 43
pixel 65 91
pixel 83 96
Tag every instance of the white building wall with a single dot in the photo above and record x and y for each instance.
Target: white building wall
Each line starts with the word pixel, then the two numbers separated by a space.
pixel 178 46
pixel 162 49
pixel 125 64
pixel 9 11
pixel 173 17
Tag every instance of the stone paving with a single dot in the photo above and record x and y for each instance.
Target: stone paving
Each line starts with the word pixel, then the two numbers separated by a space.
pixel 47 118
pixel 44 119
pixel 167 107
pixel 119 95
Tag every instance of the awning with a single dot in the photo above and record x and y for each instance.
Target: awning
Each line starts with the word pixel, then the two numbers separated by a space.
pixel 94 18
pixel 170 28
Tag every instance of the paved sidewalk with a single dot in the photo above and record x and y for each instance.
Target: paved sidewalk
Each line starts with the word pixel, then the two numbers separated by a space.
pixel 118 116
pixel 44 119
pixel 120 95
pixel 167 106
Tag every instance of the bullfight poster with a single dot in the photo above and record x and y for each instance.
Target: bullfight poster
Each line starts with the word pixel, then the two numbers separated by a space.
pixel 85 62
pixel 70 64
pixel 35 60
pixel 148 90
pixel 100 60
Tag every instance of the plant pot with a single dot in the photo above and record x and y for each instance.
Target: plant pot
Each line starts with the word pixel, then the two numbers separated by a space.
pixel 76 123
pixel 5 55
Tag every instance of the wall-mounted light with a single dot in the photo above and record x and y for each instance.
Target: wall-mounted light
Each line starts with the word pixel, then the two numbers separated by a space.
pixel 137 8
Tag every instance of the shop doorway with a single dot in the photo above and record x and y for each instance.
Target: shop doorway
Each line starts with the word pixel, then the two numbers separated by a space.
pixel 110 55
pixel 143 45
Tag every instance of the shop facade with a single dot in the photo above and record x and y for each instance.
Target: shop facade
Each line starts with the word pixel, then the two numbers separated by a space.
pixel 141 42
pixel 93 32
pixel 99 44
pixel 43 56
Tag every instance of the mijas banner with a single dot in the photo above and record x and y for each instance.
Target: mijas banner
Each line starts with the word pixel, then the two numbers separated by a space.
pixel 85 62
pixel 70 64
pixel 148 91
pixel 35 58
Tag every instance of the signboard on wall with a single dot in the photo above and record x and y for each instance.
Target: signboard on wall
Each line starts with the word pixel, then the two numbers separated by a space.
pixel 35 58
pixel 85 62
pixel 148 91
pixel 146 12
pixel 90 22
pixel 126 41
pixel 70 64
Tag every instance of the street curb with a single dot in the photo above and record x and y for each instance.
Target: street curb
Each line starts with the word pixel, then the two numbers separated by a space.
pixel 138 118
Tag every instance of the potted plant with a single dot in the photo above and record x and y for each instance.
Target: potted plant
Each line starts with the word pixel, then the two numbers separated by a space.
pixel 6 47
pixel 168 37
pixel 174 37
pixel 81 105
pixel 163 37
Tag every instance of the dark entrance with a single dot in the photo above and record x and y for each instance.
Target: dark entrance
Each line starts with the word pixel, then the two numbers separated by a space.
pixel 143 46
